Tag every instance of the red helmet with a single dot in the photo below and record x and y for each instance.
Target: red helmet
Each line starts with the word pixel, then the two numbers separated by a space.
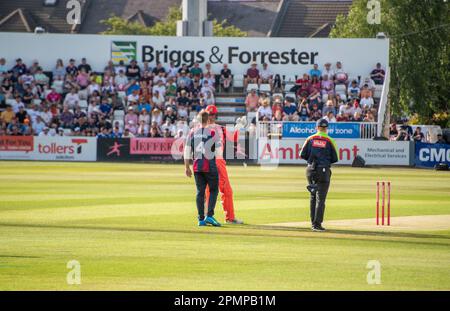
pixel 211 109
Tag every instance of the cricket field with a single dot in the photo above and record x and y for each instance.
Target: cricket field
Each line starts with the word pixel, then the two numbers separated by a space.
pixel 133 227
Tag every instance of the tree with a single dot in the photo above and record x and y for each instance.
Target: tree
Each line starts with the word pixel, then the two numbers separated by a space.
pixel 419 32
pixel 168 27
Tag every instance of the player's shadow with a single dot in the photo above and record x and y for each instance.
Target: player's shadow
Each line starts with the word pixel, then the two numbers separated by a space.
pixel 264 231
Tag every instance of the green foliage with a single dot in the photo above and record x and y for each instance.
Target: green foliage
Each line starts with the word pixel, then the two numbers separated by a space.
pixel 168 27
pixel 419 54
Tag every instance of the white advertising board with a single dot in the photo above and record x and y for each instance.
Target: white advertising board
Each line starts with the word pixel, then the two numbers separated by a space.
pixel 284 55
pixel 287 151
pixel 55 149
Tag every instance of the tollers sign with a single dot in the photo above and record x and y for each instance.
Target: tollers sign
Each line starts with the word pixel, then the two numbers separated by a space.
pixel 285 56
pixel 51 149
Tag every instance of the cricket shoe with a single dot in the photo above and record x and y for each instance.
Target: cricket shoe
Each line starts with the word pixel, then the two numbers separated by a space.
pixel 318 228
pixel 235 222
pixel 212 221
pixel 201 223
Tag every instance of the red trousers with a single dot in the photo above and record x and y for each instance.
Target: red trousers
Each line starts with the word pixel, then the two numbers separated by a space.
pixel 226 192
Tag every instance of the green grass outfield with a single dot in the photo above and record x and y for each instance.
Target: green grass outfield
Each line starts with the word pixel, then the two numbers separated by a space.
pixel 133 227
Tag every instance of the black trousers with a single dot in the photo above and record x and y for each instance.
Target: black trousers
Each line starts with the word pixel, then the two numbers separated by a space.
pixel 201 181
pixel 321 177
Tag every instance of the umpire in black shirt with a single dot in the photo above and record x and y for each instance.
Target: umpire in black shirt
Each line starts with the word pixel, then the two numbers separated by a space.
pixel 320 151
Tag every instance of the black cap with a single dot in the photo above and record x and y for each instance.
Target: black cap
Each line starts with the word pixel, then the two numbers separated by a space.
pixel 322 123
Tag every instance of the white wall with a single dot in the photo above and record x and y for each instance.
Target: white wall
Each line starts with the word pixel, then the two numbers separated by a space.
pixel 357 55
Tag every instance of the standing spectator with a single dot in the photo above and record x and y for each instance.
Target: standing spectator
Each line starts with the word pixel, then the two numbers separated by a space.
pixel 378 74
pixel 252 75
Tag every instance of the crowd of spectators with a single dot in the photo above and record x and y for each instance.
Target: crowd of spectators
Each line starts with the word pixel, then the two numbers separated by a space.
pixel 133 100
pixel 328 93
pixel 121 101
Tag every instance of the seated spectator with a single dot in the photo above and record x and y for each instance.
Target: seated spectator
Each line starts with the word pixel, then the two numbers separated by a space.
pixel 315 113
pixel 127 133
pixel 172 71
pixel 278 116
pixel 303 85
pixel 83 79
pixel 143 129
pixel 378 74
pixel 160 88
pixel 226 77
pixel 38 126
pixel 159 69
pixel 264 112
pixel 315 83
pixel 371 118
pixel 346 109
pixel 353 90
pixel 154 133
pixel 303 110
pixel 327 85
pixel 19 68
pixel 252 75
pixel 133 71
pixel 209 72
pixel 340 76
pixel 71 69
pixel 40 78
pixel 121 81
pixel 290 110
pixel 157 116
pixel 251 101
pixel 440 139
pixel 418 136
pixel 329 116
pixel 314 97
pixel 72 99
pixel 357 117
pixel 366 102
pixel 59 70
pixel 277 84
pixel 265 76
pixel 84 66
pixel 196 71
pixel 66 118
pixel 3 68
pixel 54 97
pixel 276 106
pixel 328 71
pixel 368 84
pixel 315 72
pixel 7 115
pixel 329 107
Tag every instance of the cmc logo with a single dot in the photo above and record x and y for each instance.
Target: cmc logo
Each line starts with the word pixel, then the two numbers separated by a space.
pixel 434 154
pixel 56 148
